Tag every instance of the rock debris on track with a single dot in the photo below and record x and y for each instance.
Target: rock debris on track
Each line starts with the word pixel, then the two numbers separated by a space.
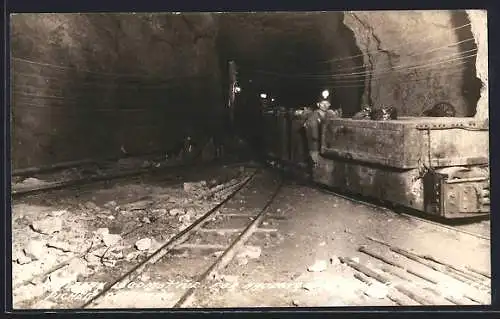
pixel 68 242
pixel 307 252
pixel 185 265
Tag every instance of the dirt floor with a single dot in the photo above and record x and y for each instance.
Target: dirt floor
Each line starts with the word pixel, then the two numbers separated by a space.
pixel 318 229
pixel 109 227
pixel 96 231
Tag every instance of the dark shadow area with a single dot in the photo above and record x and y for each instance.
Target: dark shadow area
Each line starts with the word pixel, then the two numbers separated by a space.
pixel 42 110
pixel 278 54
pixel 351 99
pixel 222 128
pixel 95 83
pixel 378 204
pixel 471 84
pixel 300 176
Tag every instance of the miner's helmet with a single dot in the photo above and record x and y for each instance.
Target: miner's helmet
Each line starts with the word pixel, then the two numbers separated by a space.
pixel 325 94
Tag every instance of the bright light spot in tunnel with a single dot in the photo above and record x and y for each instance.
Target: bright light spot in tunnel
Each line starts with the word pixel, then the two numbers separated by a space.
pixel 263 95
pixel 237 89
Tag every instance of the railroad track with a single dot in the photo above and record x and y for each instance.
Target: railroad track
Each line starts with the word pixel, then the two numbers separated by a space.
pixel 411 278
pixel 410 216
pixel 212 241
pixel 24 191
pixel 285 167
pixel 224 230
pixel 79 163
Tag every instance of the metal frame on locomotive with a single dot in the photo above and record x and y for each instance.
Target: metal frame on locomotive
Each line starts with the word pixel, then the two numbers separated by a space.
pixel 435 165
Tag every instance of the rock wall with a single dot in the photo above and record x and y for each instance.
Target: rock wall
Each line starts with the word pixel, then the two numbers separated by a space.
pixel 415 59
pixel 84 85
pixel 479 28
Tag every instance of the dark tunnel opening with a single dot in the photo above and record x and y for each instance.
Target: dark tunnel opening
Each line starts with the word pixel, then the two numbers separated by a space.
pixel 291 67
pixel 351 100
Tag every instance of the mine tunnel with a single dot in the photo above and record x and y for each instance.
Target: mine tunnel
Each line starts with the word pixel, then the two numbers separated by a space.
pixel 185 159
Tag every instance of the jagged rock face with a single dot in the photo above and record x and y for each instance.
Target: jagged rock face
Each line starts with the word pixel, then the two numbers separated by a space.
pixel 99 81
pixel 478 19
pixel 415 59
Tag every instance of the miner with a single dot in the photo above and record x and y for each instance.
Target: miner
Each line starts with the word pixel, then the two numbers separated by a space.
pixel 313 124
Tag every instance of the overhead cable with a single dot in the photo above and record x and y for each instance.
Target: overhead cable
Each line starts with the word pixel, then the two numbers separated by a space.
pixel 420 40
pixel 384 71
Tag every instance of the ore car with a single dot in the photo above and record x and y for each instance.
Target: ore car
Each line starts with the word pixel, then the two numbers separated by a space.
pixel 435 165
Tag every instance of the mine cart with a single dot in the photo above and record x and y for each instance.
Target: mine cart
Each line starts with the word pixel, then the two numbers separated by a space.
pixel 435 165
pixel 269 131
pixel 276 132
pixel 298 141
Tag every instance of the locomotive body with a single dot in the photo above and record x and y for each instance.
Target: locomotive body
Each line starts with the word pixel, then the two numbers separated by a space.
pixel 436 165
